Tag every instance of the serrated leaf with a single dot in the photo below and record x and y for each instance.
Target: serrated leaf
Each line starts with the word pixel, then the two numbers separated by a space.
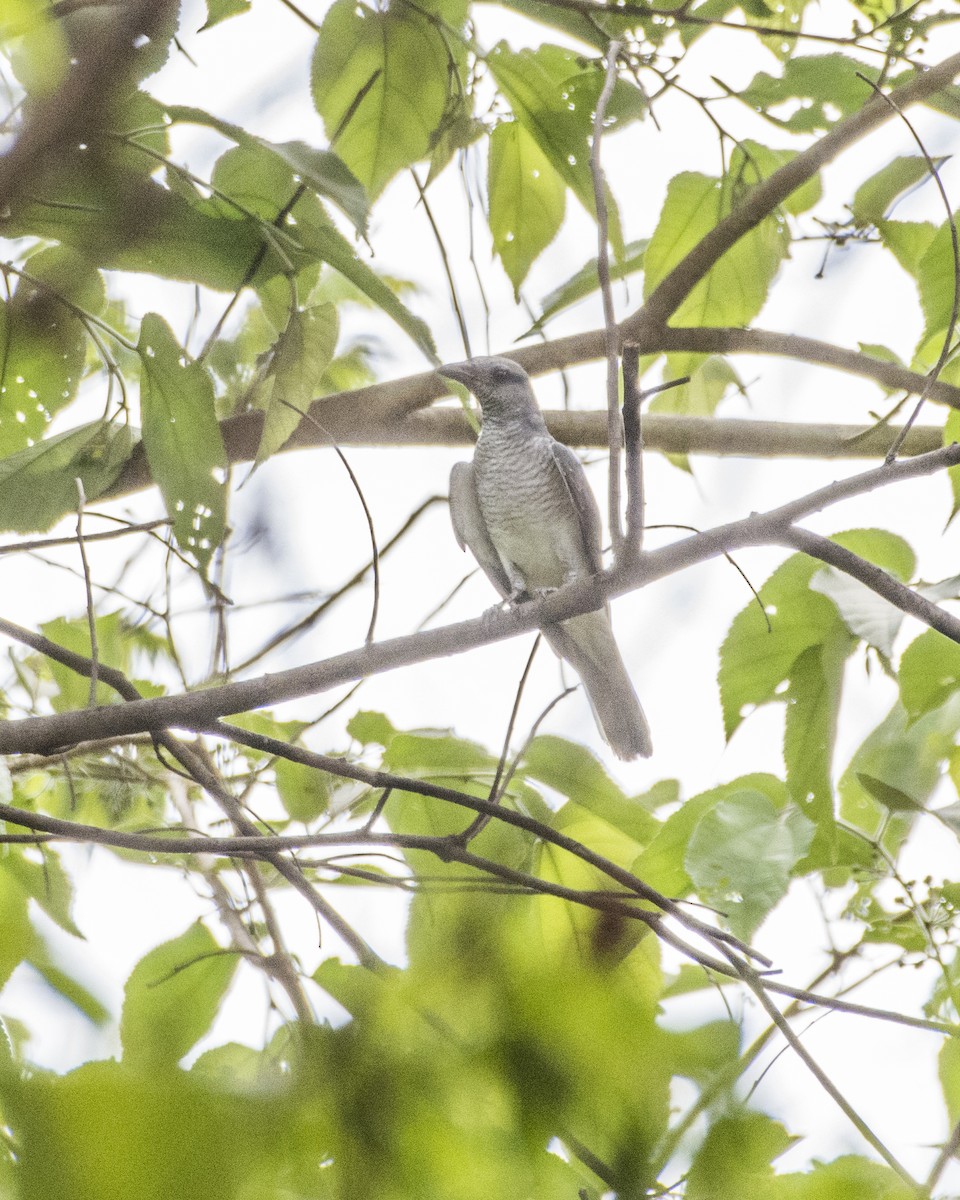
pixel 220 10
pixel 302 354
pixel 527 199
pixel 172 997
pixel 38 485
pixel 380 83
pixel 741 855
pixel 182 440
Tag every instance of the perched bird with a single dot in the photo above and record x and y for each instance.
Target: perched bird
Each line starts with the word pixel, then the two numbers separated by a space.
pixel 525 510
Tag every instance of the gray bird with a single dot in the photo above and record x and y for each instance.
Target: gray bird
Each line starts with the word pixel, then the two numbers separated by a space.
pixel 525 510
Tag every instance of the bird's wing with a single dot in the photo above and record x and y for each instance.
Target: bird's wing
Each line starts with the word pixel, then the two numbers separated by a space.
pixel 584 502
pixel 471 529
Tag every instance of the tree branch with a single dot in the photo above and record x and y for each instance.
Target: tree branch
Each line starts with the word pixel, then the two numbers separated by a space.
pixel 195 709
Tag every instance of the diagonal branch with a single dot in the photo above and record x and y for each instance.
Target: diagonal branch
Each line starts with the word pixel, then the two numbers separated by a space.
pixel 195 709
pixel 767 196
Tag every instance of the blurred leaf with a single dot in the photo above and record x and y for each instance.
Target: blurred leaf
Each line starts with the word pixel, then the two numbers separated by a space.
pixel 734 1160
pixel 948 1064
pixel 846 1178
pixel 182 440
pixel 573 771
pixel 38 485
pixel 527 199
pixel 711 379
pixel 369 727
pixel 304 791
pixel 741 855
pixel 322 170
pixel 172 997
pixel 366 68
pixel 122 1132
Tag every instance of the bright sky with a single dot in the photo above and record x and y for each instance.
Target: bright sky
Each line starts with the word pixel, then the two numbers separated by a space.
pixel 254 71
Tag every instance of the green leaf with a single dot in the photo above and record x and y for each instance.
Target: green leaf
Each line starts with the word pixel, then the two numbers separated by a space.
pixel 902 754
pixel 322 170
pixel 735 289
pixel 302 354
pixel 42 353
pixel 846 1178
pixel 38 485
pixel 951 434
pixel 711 378
pixel 662 863
pixel 304 791
pixel 586 281
pixel 44 881
pixel 172 997
pixel 527 199
pixel 220 10
pixel 751 162
pixel 380 83
pixel 892 799
pixel 123 1132
pixel 810 730
pixel 929 672
pixel 755 662
pixel 868 616
pixel 815 90
pixel 71 989
pixel 554 98
pixel 574 772
pixel 371 727
pixel 741 855
pixel 875 199
pixel 182 440
pixel 948 1068
pixel 734 1159
pixel 909 241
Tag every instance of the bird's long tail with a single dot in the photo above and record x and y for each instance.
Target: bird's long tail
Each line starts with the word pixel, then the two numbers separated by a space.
pixel 588 645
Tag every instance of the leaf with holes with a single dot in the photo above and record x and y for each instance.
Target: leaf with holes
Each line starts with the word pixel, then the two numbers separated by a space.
pixel 182 440
pixel 527 199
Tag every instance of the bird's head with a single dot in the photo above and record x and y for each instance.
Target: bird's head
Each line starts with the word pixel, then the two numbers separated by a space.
pixel 502 387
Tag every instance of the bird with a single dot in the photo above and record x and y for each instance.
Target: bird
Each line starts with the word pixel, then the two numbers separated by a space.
pixel 525 510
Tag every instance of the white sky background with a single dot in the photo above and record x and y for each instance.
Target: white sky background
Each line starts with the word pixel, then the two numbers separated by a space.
pixel 254 70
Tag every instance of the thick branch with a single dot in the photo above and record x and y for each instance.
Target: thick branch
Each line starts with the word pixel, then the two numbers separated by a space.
pixel 194 709
pixel 386 413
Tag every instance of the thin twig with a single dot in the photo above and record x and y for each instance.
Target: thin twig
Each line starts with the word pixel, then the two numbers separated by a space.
pixel 614 428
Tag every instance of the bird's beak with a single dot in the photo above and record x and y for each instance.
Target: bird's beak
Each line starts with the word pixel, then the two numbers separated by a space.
pixel 460 372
